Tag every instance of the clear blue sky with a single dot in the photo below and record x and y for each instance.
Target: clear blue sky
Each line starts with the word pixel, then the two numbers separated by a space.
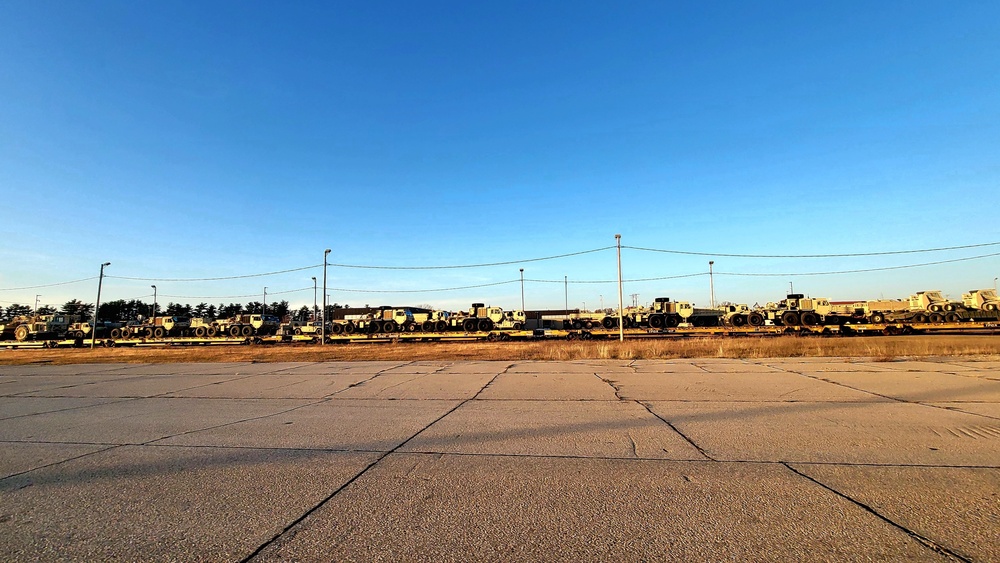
pixel 211 139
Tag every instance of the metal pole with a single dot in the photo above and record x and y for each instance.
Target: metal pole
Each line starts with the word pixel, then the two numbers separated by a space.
pixel 522 289
pixel 154 305
pixel 314 300
pixel 35 311
pixel 621 313
pixel 264 312
pixel 322 340
pixel 711 282
pixel 566 290
pixel 93 328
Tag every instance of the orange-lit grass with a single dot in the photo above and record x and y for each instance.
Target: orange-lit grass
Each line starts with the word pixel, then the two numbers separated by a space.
pixel 880 348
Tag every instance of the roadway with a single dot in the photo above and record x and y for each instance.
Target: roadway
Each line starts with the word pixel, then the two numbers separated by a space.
pixel 700 459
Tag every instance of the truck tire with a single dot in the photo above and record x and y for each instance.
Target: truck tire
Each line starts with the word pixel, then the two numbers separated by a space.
pixel 234 330
pixel 738 320
pixel 470 325
pixel 21 333
pixel 671 321
pixel 350 328
pixel 211 332
pixel 246 330
pixel 755 319
pixel 441 326
pixel 952 317
pixel 199 332
pixel 920 318
pixel 158 332
pixel 655 321
pixel 485 325
pixel 809 318
pixel 790 318
pixel 877 318
pixel 935 318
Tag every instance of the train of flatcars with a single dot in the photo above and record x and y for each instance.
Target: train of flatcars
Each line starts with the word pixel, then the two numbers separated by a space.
pixel 923 310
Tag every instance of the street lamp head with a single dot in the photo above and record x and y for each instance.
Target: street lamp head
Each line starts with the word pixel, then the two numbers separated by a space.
pixel 327 251
pixel 106 264
pixel 618 236
pixel 153 286
pixel 314 278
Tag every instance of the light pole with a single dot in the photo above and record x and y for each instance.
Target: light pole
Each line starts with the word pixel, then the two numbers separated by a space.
pixel 711 283
pixel 100 282
pixel 264 312
pixel 322 340
pixel 602 301
pixel 35 311
pixel 154 305
pixel 566 290
pixel 621 313
pixel 314 299
pixel 994 284
pixel 790 290
pixel 522 289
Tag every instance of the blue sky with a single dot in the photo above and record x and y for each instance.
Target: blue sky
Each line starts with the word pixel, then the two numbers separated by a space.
pixel 183 140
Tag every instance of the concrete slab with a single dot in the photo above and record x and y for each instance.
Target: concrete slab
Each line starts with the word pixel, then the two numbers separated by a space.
pixel 953 506
pixel 221 368
pixel 137 421
pixel 50 370
pixel 545 367
pixel 820 365
pixel 165 504
pixel 889 433
pixel 54 386
pixel 130 386
pixel 273 386
pixel 935 365
pixel 434 385
pixel 554 428
pixel 483 508
pixel 920 386
pixel 990 410
pixel 13 407
pixel 721 386
pixel 550 386
pixel 18 457
pixel 665 366
pixel 339 424
pixel 722 365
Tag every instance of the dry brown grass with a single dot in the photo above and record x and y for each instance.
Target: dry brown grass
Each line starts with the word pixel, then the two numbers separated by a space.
pixel 877 348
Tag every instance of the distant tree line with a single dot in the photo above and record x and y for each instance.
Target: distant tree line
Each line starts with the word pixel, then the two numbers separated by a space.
pixel 122 310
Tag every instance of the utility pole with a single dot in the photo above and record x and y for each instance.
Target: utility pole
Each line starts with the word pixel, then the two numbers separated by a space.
pixel 35 311
pixel 621 314
pixel 264 312
pixel 635 300
pixel 522 289
pixel 711 283
pixel 154 305
pixel 322 340
pixel 566 291
pixel 100 282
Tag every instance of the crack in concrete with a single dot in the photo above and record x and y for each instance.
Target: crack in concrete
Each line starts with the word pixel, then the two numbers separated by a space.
pixel 289 531
pixel 923 540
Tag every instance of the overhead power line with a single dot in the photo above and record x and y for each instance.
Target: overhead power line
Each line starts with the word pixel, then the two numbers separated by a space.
pixel 483 265
pixel 260 275
pixel 845 255
pixel 48 284
pixel 860 270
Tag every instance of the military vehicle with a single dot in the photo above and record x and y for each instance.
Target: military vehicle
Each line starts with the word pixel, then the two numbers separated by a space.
pixel 981 299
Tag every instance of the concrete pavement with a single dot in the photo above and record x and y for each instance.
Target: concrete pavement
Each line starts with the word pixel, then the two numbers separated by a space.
pixel 700 459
